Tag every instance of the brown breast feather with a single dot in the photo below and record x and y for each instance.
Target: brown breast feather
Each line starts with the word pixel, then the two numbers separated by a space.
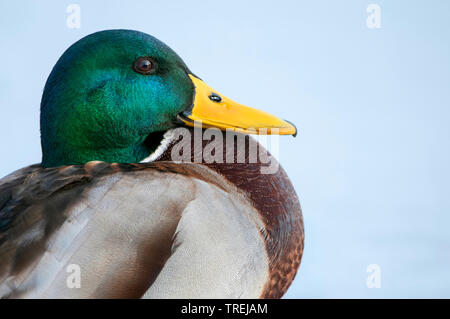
pixel 271 194
pixel 276 200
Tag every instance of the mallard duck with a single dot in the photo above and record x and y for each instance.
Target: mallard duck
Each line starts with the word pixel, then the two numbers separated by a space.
pixel 109 201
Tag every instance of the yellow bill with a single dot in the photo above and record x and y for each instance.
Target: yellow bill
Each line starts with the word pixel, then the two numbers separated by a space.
pixel 212 109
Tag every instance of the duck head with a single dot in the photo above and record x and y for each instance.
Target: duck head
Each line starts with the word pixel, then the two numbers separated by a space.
pixel 113 94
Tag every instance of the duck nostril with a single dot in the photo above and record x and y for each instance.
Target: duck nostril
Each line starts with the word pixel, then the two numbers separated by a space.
pixel 215 98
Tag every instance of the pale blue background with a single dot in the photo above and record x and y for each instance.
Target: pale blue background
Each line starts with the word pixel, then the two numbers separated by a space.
pixel 371 161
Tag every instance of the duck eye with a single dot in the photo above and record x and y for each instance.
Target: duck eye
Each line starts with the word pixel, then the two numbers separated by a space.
pixel 144 65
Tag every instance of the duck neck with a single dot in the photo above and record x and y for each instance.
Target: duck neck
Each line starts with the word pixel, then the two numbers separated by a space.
pixel 61 154
pixel 67 156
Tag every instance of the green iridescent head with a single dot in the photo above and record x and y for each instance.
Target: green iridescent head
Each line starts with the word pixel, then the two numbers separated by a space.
pixel 108 94
pixel 113 94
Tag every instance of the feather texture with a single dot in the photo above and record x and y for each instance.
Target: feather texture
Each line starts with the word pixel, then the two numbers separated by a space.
pixel 127 226
pixel 152 230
